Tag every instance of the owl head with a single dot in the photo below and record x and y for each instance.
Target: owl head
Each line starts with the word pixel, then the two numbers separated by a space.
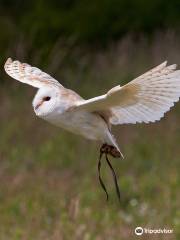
pixel 46 101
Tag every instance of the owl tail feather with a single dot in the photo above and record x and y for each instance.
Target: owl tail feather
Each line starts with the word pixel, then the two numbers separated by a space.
pixel 110 140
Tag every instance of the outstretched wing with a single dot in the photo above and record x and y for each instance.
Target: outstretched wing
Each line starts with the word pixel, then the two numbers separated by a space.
pixel 145 99
pixel 25 73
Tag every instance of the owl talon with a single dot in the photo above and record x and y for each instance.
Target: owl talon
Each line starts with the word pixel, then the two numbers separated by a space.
pixel 111 150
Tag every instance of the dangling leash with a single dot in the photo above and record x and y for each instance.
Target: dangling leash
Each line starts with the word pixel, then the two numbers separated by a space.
pixel 100 179
pixel 107 149
pixel 114 177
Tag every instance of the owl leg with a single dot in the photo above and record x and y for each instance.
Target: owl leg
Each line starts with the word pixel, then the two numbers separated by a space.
pixel 111 150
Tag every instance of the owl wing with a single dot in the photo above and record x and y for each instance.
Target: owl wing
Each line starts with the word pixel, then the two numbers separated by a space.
pixel 33 76
pixel 145 99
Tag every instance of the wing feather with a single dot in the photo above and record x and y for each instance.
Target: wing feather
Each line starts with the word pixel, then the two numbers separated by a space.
pixel 145 99
pixel 33 76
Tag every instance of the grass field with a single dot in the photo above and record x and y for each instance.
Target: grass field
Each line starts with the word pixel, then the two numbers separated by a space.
pixel 49 186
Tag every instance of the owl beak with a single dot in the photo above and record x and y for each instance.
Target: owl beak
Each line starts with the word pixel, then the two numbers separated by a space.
pixel 38 105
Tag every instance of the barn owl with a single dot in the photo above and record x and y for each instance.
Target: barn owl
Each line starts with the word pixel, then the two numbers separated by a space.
pixel 145 99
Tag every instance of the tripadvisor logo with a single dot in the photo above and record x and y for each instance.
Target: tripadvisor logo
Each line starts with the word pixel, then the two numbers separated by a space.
pixel 139 231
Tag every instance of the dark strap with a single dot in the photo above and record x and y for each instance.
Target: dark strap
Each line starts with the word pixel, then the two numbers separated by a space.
pixel 114 177
pixel 100 179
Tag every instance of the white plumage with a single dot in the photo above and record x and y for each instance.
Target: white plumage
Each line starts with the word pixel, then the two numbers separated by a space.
pixel 25 73
pixel 145 99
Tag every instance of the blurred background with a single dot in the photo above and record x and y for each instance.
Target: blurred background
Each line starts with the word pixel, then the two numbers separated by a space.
pixel 49 186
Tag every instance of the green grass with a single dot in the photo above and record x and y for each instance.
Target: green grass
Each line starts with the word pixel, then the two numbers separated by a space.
pixel 48 178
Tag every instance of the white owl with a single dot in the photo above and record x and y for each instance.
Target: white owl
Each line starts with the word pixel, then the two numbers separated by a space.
pixel 145 99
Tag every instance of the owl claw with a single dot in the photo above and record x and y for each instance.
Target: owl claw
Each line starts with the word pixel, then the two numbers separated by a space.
pixel 111 150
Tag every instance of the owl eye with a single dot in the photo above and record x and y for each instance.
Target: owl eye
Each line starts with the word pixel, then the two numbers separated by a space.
pixel 46 98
